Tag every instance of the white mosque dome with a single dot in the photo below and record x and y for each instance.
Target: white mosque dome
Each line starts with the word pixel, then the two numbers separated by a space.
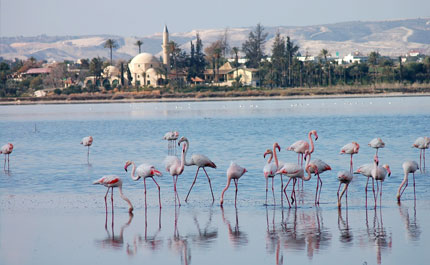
pixel 111 71
pixel 144 58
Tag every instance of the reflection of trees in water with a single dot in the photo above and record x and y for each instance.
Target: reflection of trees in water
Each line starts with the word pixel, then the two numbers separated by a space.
pixel 114 241
pixel 179 244
pixel 205 236
pixel 237 238
pixel 413 230
pixel 303 230
pixel 344 229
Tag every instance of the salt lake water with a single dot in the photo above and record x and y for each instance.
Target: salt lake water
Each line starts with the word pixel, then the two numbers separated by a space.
pixel 50 213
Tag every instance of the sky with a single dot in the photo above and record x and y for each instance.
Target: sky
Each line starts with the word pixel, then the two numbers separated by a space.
pixel 142 17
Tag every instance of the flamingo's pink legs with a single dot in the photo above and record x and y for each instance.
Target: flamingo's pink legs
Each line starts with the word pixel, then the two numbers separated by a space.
pixel 195 178
pixel 159 195
pixel 366 189
pixel 267 180
pixel 318 191
pixel 273 191
pixel 294 192
pixel 176 192
pixel 282 187
pixel 350 169
pixel 235 196
pixel 194 181
pixel 285 192
pixel 210 185
pixel 144 185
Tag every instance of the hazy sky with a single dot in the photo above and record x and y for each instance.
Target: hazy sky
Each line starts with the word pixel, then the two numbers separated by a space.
pixel 143 17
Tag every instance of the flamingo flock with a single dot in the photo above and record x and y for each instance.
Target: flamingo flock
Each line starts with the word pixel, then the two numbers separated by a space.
pixel 294 171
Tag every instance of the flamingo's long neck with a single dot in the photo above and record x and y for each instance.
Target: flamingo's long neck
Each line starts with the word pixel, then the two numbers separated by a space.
pixel 405 179
pixel 224 190
pixel 276 157
pixel 312 143
pixel 187 145
pixel 125 198
pixel 133 171
pixel 308 171
pixel 184 151
pixel 270 159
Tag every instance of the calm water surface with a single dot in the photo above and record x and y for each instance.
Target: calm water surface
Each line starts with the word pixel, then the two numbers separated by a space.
pixel 51 214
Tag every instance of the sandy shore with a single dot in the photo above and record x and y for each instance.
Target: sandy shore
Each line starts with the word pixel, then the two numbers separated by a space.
pixel 194 99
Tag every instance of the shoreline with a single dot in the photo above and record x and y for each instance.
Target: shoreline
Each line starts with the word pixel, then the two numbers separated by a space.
pixel 203 99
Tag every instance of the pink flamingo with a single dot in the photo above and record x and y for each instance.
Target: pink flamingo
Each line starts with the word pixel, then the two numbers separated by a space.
pixel 270 168
pixel 379 173
pixel 351 148
pixel 6 150
pixel 87 141
pixel 175 167
pixel 422 143
pixel 365 170
pixel 293 171
pixel 234 172
pixel 317 167
pixel 111 182
pixel 376 143
pixel 408 167
pixel 344 177
pixel 301 146
pixel 144 171
pixel 201 161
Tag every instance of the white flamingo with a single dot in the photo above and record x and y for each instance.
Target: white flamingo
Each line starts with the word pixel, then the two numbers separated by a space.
pixel 344 177
pixel 379 173
pixel 201 161
pixel 171 138
pixel 377 143
pixel 317 167
pixel 6 150
pixel 144 171
pixel 175 167
pixel 422 143
pixel 270 168
pixel 301 146
pixel 408 167
pixel 234 172
pixel 294 172
pixel 111 181
pixel 351 149
pixel 365 170
pixel 87 141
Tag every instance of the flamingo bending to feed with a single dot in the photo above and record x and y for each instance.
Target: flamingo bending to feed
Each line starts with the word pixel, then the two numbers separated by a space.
pixel 379 173
pixel 317 167
pixel 201 161
pixel 422 143
pixel 175 167
pixel 144 171
pixel 171 141
pixel 344 177
pixel 408 167
pixel 234 172
pixel 377 143
pixel 351 148
pixel 293 171
pixel 270 168
pixel 301 146
pixel 111 182
pixel 6 150
pixel 87 141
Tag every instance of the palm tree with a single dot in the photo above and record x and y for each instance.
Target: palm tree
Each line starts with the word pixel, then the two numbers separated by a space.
pixel 111 44
pixel 374 61
pixel 324 54
pixel 235 51
pixel 138 44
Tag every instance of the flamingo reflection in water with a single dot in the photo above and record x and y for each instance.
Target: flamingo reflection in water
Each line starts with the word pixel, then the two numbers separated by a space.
pixel 344 229
pixel 237 238
pixel 273 240
pixel 112 241
pixel 178 243
pixel 377 235
pixel 206 236
pixel 413 230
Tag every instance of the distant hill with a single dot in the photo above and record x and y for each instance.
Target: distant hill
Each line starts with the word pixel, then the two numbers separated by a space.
pixel 394 37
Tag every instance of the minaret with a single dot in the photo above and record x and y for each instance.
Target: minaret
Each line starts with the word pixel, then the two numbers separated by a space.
pixel 165 46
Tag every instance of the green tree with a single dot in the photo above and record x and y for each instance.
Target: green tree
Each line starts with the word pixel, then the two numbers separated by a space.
pixel 139 43
pixel 253 47
pixel 278 58
pixel 235 51
pixel 96 68
pixel 111 44
pixel 374 61
pixel 290 50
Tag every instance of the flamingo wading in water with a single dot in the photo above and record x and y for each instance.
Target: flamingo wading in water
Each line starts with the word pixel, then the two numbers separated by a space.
pixel 317 167
pixel 301 146
pixel 344 177
pixel 366 170
pixel 144 171
pixel 408 167
pixel 234 172
pixel 293 171
pixel 87 141
pixel 422 143
pixel 201 161
pixel 351 149
pixel 111 182
pixel 270 168
pixel 376 143
pixel 379 173
pixel 6 150
pixel 175 167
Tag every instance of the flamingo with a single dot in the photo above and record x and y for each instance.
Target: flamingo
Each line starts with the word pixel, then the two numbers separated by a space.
pixel 270 168
pixel 87 141
pixel 234 172
pixel 317 167
pixel 171 144
pixel 365 170
pixel 6 150
pixel 422 143
pixel 379 173
pixel 111 181
pixel 201 161
pixel 144 171
pixel 351 148
pixel 301 146
pixel 344 177
pixel 408 167
pixel 293 171
pixel 377 143
pixel 175 167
